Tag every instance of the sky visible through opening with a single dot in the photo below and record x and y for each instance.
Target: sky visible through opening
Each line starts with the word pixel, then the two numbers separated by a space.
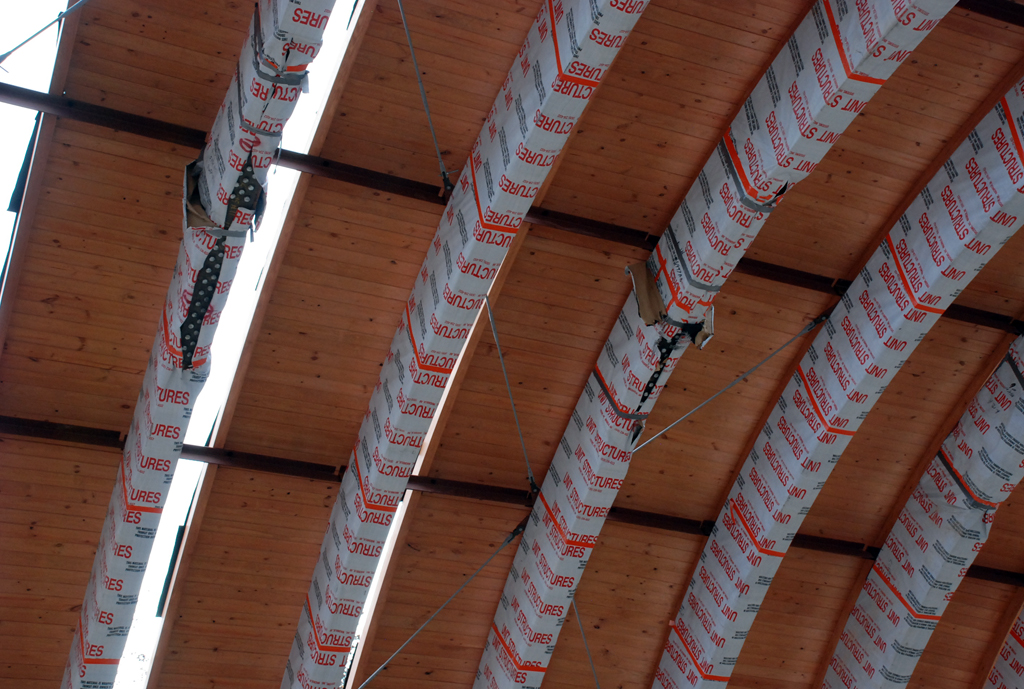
pixel 32 67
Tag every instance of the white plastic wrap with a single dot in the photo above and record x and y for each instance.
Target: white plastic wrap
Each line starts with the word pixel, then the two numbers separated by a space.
pixel 245 138
pixel 292 31
pixel 568 50
pixel 938 534
pixel 1008 670
pixel 830 68
pixel 246 132
pixel 151 453
pixel 951 230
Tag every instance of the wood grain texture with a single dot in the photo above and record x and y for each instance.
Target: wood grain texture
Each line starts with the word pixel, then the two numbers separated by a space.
pixel 103 240
pixel 53 498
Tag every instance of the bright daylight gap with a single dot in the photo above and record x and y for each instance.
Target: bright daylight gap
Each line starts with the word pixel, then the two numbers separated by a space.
pixel 32 67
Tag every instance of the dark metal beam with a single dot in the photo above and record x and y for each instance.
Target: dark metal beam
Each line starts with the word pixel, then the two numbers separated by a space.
pixel 792 276
pixel 102 116
pixel 370 179
pixel 1000 10
pixel 31 428
pixel 521 497
pixel 408 188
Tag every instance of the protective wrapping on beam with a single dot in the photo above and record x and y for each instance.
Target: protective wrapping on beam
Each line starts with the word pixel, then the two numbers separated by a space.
pixel 837 59
pixel 1008 670
pixel 939 533
pixel 222 197
pixel 950 231
pixel 568 50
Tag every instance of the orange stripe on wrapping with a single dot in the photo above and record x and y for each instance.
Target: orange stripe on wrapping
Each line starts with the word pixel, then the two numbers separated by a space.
pixel 842 53
pixel 92 661
pixel 663 268
pixel 913 613
pixel 752 191
pixel 903 278
pixel 554 522
pixel 817 409
pixel 124 490
pixel 1016 636
pixel 323 648
pixel 963 482
pixel 512 655
pixel 476 197
pixel 1013 128
pixel 704 675
pixel 750 533
pixel 359 480
pixel 558 55
pixel 415 350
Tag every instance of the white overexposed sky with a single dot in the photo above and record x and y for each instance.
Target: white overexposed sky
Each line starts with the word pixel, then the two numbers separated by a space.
pixel 248 283
pixel 30 67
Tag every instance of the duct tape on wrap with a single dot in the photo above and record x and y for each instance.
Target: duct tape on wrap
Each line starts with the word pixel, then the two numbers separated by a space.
pixel 1008 670
pixel 151 451
pixel 951 230
pixel 568 50
pixel 833 64
pixel 938 534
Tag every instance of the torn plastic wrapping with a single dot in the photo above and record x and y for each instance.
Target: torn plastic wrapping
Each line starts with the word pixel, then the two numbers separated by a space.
pixel 951 230
pixel 568 50
pixel 586 473
pixel 267 98
pixel 291 31
pixel 235 165
pixel 812 91
pixel 938 534
pixel 151 452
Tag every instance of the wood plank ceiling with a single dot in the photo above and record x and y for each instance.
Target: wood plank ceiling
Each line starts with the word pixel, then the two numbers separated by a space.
pixel 99 257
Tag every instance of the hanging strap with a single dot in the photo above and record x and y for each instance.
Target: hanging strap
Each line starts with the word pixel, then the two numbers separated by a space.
pixel 448 186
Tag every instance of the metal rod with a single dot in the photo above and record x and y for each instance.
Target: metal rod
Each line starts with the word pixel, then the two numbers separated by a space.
pixel 421 191
pixel 508 386
pixel 508 539
pixel 806 329
pixel 586 646
pixel 392 184
pixel 30 428
pixel 77 6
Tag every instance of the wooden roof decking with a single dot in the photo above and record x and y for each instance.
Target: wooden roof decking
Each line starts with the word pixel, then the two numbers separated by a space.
pixel 104 241
pixel 107 226
pixel 53 498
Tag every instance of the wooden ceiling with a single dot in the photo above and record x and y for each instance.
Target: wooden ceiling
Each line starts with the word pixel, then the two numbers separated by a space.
pixel 101 238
